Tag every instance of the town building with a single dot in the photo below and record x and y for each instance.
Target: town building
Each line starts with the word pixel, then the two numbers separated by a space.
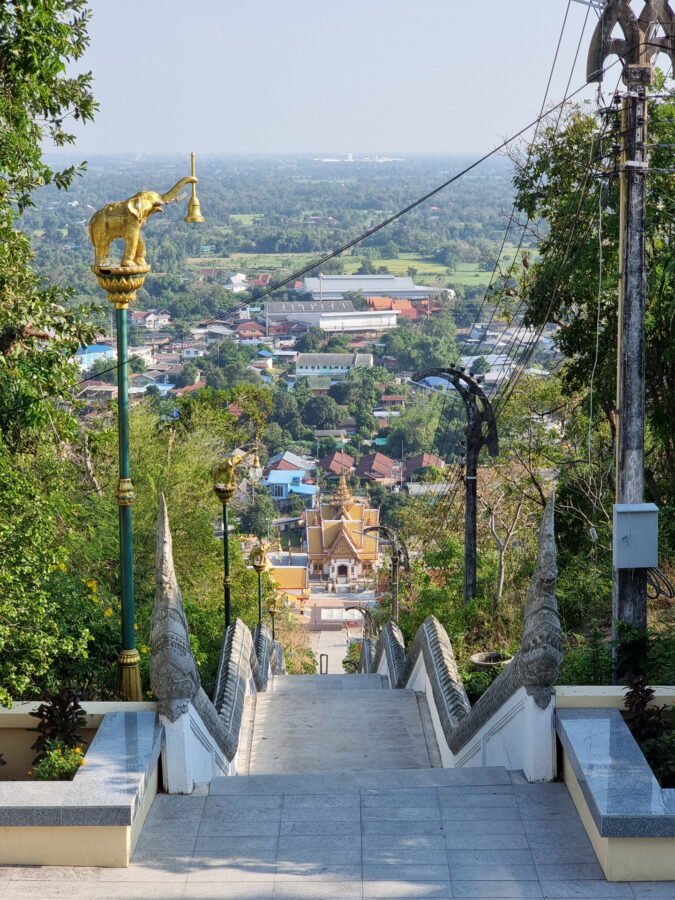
pixel 334 365
pixel 86 357
pixel 289 460
pixel 362 321
pixel 392 401
pixel 237 283
pixel 188 353
pixel 378 467
pixel 404 308
pixel 308 312
pixel 152 319
pixel 337 463
pixel 339 550
pixel 332 287
pixel 283 484
pixel 419 462
pixel 328 315
pixel 97 390
pixel 290 573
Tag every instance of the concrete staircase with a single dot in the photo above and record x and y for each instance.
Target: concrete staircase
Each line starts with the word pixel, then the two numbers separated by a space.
pixel 344 798
pixel 338 723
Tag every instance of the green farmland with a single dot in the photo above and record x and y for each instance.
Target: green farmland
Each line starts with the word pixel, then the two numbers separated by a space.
pixel 284 264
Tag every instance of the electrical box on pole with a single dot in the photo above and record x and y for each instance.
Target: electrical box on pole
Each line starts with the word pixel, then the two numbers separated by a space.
pixel 636 536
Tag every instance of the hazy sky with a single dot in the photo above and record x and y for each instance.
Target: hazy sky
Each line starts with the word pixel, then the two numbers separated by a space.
pixel 328 76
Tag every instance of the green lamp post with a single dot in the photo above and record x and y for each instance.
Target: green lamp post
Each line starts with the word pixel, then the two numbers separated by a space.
pixel 273 608
pixel 124 219
pixel 258 559
pixel 224 487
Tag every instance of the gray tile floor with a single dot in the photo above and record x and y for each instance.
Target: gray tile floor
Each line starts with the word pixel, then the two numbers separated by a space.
pixel 383 834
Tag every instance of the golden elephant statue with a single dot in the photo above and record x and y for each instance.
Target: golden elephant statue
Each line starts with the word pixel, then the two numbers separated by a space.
pixel 124 219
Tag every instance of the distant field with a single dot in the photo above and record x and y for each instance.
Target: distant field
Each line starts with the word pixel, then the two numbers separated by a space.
pixel 466 274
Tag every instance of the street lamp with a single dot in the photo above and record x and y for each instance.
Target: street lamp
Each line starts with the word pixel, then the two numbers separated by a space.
pixel 224 487
pixel 258 559
pixel 399 560
pixel 481 429
pixel 273 609
pixel 124 219
pixel 368 627
pixel 255 470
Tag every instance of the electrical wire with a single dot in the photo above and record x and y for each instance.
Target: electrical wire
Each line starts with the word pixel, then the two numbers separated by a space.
pixel 511 383
pixel 366 234
pixel 448 440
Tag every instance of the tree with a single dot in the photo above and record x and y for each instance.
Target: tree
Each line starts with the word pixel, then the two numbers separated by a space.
pixel 415 429
pixel 40 330
pixel 311 341
pixel 563 285
pixel 322 412
pixel 188 376
pixel 257 519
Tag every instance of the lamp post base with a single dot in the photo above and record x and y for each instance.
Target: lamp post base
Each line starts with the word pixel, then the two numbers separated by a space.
pixel 129 676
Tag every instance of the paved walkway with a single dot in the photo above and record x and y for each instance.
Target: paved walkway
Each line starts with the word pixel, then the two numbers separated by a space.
pixel 334 645
pixel 433 833
pixel 377 820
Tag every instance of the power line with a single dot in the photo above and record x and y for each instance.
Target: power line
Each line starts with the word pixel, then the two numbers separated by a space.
pixel 361 237
pixel 512 382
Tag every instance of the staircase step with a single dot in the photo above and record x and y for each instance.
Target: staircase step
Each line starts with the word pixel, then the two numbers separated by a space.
pixel 337 731
pixel 285 683
pixel 376 779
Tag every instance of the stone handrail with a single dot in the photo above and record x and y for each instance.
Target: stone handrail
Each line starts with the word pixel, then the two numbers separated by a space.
pixel 244 667
pixel 534 668
pixel 391 645
pixel 367 656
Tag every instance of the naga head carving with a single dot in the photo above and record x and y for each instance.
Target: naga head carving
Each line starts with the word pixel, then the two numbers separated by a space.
pixel 173 673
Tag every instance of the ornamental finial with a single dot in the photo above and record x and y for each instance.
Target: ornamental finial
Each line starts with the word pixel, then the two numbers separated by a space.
pixel 640 43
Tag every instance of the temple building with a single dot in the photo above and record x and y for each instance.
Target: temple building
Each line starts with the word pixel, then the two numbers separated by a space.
pixel 288 570
pixel 338 550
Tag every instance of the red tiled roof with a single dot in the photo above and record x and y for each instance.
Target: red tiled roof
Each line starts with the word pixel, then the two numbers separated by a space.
pixel 337 462
pixel 285 466
pixel 376 465
pixel 189 388
pixel 422 461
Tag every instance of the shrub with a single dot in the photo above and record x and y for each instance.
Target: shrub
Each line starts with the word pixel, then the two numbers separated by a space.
pixel 476 682
pixel 61 719
pixel 58 762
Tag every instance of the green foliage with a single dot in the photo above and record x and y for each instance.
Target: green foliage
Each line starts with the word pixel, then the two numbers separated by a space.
pixel 476 682
pixel 61 719
pixel 660 754
pixel 415 429
pixel 415 348
pixel 352 661
pixel 33 630
pixel 563 285
pixel 322 412
pixel 586 660
pixel 257 518
pixel 37 41
pixel 58 762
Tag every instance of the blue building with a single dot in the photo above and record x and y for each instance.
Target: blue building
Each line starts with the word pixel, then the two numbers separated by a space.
pixel 282 484
pixel 86 357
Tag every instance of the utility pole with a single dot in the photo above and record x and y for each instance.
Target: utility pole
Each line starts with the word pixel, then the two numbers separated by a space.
pixel 399 560
pixel 637 49
pixel 481 430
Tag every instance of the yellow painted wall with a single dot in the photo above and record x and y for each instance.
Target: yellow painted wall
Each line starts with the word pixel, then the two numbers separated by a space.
pixel 623 859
